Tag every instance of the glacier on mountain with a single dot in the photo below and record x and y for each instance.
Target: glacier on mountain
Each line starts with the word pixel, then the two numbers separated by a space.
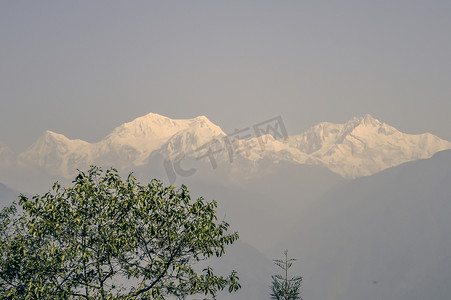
pixel 364 146
pixel 360 147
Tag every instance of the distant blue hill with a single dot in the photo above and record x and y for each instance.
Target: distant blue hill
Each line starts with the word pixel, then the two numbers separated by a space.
pixel 385 236
pixel 7 195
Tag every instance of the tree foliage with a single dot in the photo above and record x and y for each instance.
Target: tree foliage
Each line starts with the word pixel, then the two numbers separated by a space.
pixel 284 288
pixel 109 238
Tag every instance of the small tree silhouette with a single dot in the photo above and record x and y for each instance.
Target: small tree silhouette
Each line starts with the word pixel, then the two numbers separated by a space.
pixel 283 288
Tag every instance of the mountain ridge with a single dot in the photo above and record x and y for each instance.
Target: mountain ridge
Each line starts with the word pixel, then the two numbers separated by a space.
pixel 360 147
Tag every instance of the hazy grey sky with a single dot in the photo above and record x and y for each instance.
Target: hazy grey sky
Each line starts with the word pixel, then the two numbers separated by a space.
pixel 81 68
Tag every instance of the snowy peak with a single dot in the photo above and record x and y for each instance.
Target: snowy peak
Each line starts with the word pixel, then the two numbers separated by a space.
pixel 140 137
pixel 57 154
pixel 50 135
pixel 155 125
pixel 153 128
pixel 364 146
pixel 202 125
pixel 367 121
pixel 321 137
pixel 54 142
pixel 188 141
pixel 50 138
pixel 368 126
pixel 316 137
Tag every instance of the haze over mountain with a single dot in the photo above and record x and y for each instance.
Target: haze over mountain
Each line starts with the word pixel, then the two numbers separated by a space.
pixel 363 200
pixel 360 147
pixel 385 236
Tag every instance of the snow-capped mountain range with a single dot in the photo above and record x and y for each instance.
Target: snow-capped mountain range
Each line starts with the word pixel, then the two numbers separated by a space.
pixel 365 146
pixel 360 147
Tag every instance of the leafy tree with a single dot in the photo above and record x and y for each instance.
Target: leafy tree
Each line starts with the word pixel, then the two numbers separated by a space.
pixel 109 238
pixel 282 287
